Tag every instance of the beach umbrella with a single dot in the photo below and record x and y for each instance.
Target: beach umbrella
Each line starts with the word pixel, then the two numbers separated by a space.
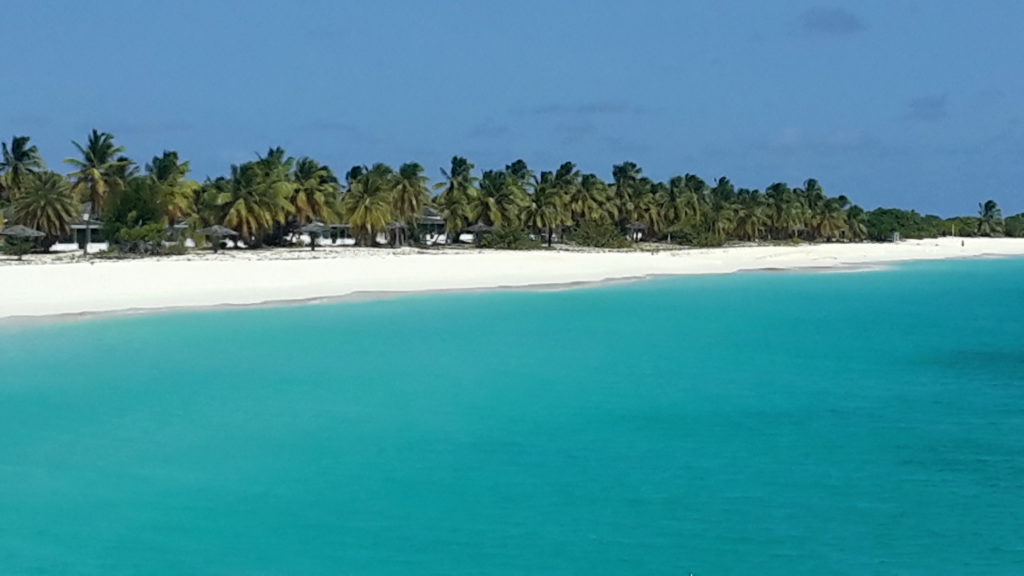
pixel 217 232
pixel 478 229
pixel 314 229
pixel 19 231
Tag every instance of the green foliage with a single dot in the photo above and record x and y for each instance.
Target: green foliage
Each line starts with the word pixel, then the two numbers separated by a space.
pixel 136 205
pixel 46 203
pixel 368 203
pixel 600 234
pixel 264 199
pixel 990 219
pixel 509 239
pixel 145 239
pixel 960 226
pixel 1014 226
pixel 16 247
pixel 882 222
pixel 17 162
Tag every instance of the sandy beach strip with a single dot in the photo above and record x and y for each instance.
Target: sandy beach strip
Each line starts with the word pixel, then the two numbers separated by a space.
pixel 50 287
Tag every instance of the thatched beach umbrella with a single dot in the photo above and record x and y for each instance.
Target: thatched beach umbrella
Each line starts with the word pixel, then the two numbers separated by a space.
pixel 23 233
pixel 478 229
pixel 315 230
pixel 218 232
pixel 19 231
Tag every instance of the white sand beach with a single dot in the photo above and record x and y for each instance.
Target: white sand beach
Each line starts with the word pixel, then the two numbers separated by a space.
pixel 46 286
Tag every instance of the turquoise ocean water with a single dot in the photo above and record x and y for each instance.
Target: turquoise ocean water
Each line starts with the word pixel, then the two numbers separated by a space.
pixel 768 424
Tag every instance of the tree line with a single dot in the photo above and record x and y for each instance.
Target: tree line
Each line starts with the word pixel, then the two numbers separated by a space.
pixel 269 198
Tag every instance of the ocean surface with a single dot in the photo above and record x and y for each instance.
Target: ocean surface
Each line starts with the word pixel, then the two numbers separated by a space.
pixel 754 424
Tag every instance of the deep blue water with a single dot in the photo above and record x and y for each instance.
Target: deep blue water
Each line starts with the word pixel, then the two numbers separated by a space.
pixel 769 424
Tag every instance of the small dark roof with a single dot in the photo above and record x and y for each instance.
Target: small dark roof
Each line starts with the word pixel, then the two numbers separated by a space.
pixel 479 227
pixel 314 228
pixel 217 230
pixel 19 231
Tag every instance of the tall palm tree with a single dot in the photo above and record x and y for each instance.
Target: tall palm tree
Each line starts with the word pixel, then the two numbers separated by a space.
pixel 456 198
pixel 176 193
pixel 410 194
pixel 990 218
pixel 856 223
pixel 522 173
pixel 17 162
pixel 751 215
pixel 368 205
pixel 625 176
pixel 546 208
pixel 830 218
pixel 97 172
pixel 499 201
pixel 590 200
pixel 46 202
pixel 314 193
pixel 252 202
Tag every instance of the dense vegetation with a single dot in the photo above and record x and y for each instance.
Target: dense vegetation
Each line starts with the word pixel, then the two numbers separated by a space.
pixel 269 198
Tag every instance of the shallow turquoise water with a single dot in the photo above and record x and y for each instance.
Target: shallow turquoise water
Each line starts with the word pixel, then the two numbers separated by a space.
pixel 761 424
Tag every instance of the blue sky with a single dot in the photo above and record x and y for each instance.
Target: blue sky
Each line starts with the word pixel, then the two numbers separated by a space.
pixel 907 103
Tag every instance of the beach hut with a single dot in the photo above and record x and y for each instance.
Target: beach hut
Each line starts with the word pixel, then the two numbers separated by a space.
pixel 315 230
pixel 218 233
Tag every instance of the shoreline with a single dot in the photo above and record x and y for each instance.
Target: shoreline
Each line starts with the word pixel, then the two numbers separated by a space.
pixel 31 294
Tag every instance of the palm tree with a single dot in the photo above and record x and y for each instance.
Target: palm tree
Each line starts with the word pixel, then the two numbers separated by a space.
pixel 368 204
pixel 315 192
pixel 456 198
pixel 499 201
pixel 546 207
pixel 752 214
pixel 16 163
pixel 856 223
pixel 410 194
pixel 46 202
pixel 625 177
pixel 253 202
pixel 590 200
pixel 990 218
pixel 521 172
pixel 98 172
pixel 830 218
pixel 176 195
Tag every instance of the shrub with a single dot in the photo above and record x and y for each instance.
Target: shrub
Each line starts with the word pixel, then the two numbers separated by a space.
pixel 600 235
pixel 147 239
pixel 1014 226
pixel 509 239
pixel 16 247
pixel 696 235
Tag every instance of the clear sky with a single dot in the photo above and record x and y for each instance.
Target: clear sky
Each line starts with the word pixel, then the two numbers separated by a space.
pixel 906 103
